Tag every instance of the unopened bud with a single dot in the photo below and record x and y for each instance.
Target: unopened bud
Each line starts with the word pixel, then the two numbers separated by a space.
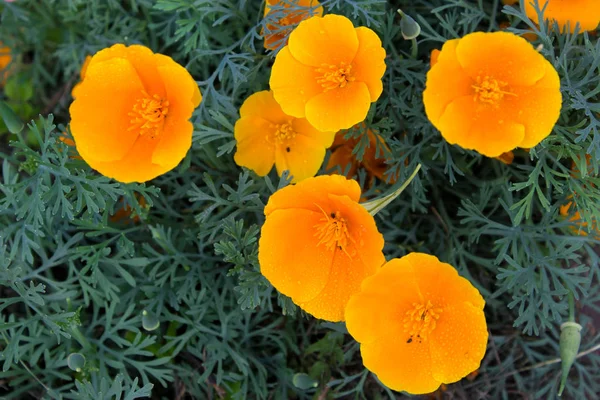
pixel 409 28
pixel 570 339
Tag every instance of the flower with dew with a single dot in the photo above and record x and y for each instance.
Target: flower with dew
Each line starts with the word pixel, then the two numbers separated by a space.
pixel 318 244
pixel 130 116
pixel 283 16
pixel 492 92
pixel 586 13
pixel 419 324
pixel 373 161
pixel 329 73
pixel 266 135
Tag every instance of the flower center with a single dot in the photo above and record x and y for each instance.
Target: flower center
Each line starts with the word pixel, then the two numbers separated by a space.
pixel 332 231
pixel 420 321
pixel 283 132
pixel 335 76
pixel 148 114
pixel 490 90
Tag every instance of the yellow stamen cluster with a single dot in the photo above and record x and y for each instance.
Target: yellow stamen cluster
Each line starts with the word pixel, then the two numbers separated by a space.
pixel 148 114
pixel 335 76
pixel 490 90
pixel 420 321
pixel 333 231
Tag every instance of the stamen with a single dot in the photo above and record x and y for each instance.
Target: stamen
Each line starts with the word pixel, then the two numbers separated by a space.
pixel 148 114
pixel 489 90
pixel 420 321
pixel 335 76
pixel 333 232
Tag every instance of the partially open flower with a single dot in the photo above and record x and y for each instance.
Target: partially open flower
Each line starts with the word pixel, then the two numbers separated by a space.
pixel 318 244
pixel 286 18
pixel 419 324
pixel 329 73
pixel 130 117
pixel 492 92
pixel 567 12
pixel 266 135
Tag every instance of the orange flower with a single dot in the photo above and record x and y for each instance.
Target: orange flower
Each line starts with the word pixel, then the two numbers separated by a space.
pixel 284 19
pixel 318 244
pixel 571 12
pixel 130 114
pixel 329 73
pixel 419 324
pixel 492 92
pixel 82 72
pixel 575 217
pixel 342 156
pixel 266 135
pixel 507 158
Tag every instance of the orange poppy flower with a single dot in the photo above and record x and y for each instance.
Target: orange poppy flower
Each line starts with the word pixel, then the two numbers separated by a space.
pixel 492 92
pixel 130 117
pixel 329 73
pixel 568 12
pixel 285 18
pixel 419 324
pixel 318 244
pixel 266 135
pixel 342 156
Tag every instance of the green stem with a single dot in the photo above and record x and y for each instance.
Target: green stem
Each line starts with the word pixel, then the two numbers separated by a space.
pixel 571 307
pixel 77 335
pixel 415 49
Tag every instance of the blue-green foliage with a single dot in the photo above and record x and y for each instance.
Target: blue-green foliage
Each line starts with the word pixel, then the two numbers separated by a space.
pixel 73 279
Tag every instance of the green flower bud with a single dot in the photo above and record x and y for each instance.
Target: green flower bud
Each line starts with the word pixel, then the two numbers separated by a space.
pixel 570 339
pixel 409 28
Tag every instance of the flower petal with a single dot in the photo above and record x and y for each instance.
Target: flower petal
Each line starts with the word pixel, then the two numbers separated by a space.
pixel 458 343
pixel 446 81
pixel 143 60
pixel 309 193
pixel 369 63
pixel 277 245
pixel 324 40
pixel 262 104
pixel 99 115
pixel 501 55
pixel 254 151
pixel 537 107
pixel 293 83
pixel 339 108
pixel 362 258
pixel 181 92
pixel 433 277
pixel 384 298
pixel 303 157
pixel 399 365
pixel 481 127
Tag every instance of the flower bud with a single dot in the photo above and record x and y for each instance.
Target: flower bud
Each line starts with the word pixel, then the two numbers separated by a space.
pixel 409 28
pixel 570 339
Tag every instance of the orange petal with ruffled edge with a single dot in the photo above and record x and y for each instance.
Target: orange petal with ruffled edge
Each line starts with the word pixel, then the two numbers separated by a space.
pixel 183 96
pixel 369 63
pixel 584 12
pixel 99 115
pixel 289 254
pixel 328 40
pixel 310 192
pixel 339 108
pixel 446 81
pixel 399 365
pixel 501 55
pixel 254 150
pixel 458 343
pixel 480 127
pixel 293 83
